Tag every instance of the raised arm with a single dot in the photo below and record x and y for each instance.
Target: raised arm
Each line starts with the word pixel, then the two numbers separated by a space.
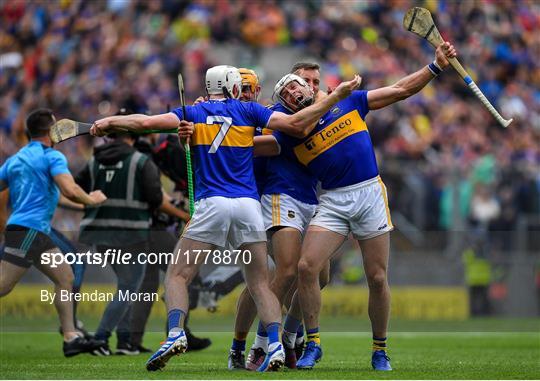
pixel 75 193
pixel 134 123
pixel 410 84
pixel 303 122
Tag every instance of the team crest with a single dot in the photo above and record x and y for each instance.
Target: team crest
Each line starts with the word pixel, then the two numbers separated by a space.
pixel 291 214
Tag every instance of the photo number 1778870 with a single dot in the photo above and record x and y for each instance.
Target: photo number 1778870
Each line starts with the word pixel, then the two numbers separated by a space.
pixel 218 257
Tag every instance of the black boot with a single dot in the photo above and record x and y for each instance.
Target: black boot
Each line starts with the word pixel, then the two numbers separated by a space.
pixel 196 343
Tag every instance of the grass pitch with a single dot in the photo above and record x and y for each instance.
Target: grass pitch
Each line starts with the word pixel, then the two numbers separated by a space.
pixel 415 355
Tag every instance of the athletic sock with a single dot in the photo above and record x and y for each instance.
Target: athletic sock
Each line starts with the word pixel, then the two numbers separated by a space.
pixel 261 330
pixel 238 345
pixel 300 335
pixel 313 335
pixel 379 343
pixel 289 339
pixel 261 339
pixel 289 330
pixel 273 333
pixel 174 318
pixel 261 342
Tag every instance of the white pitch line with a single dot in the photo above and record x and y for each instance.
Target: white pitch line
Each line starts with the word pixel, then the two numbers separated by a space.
pixel 416 334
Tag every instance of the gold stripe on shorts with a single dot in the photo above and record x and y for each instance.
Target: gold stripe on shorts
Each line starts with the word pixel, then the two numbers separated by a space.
pixel 385 197
pixel 276 213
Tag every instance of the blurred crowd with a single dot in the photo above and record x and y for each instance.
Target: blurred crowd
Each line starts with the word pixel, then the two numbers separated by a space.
pixel 86 59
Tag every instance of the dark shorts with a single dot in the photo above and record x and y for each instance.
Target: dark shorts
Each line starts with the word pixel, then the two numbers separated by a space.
pixel 24 246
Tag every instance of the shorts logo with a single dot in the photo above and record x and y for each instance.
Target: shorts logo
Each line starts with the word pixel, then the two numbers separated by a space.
pixel 291 214
pixel 382 227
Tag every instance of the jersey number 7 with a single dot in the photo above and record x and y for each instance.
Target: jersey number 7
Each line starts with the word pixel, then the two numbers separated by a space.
pixel 226 123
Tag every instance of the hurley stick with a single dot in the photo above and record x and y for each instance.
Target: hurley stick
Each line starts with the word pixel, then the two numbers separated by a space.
pixel 419 21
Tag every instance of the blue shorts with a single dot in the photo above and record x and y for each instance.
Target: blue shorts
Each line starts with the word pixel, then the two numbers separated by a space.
pixel 24 246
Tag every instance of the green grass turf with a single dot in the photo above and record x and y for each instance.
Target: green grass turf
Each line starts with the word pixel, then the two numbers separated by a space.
pixel 415 355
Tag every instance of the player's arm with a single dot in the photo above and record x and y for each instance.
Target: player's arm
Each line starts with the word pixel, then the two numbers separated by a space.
pixel 410 84
pixel 265 145
pixel 66 203
pixel 303 122
pixel 75 193
pixel 134 123
pixel 3 185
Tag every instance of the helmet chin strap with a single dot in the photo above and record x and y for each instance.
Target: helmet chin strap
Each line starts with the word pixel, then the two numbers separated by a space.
pixel 226 92
pixel 306 102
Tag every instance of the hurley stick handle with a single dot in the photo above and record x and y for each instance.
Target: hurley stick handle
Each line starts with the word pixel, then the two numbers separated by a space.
pixel 187 148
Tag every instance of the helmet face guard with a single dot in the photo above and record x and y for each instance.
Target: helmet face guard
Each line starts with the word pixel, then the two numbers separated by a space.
pixel 251 81
pixel 222 79
pixel 293 93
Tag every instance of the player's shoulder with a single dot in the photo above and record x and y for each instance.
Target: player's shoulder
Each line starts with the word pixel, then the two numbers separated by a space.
pixel 355 95
pixel 357 100
pixel 51 151
pixel 248 109
pixel 52 154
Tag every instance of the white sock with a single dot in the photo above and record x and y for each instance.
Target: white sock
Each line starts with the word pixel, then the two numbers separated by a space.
pixel 289 339
pixel 72 339
pixel 299 340
pixel 261 342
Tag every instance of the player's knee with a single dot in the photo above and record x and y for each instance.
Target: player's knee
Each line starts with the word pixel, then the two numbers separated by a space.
pixel 179 275
pixel 175 279
pixel 287 273
pixel 65 280
pixel 258 290
pixel 288 267
pixel 377 279
pixel 306 270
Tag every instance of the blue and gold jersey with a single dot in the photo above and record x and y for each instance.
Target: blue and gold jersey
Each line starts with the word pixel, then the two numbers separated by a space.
pixel 260 162
pixel 222 146
pixel 284 174
pixel 339 150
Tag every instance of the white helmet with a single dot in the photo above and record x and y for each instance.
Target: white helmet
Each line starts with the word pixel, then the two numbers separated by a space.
pixel 222 79
pixel 302 99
